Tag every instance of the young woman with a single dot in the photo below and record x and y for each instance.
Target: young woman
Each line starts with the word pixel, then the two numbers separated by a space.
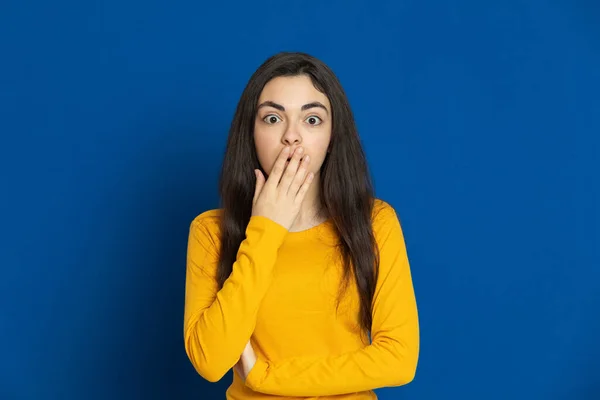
pixel 301 281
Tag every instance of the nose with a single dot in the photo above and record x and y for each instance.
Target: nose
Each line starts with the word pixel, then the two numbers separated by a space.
pixel 291 136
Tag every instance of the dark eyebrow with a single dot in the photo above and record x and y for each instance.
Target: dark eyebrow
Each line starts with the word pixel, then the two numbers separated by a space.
pixel 270 103
pixel 305 107
pixel 313 105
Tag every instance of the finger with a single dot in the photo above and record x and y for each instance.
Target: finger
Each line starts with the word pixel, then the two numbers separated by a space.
pixel 291 170
pixel 304 188
pixel 300 176
pixel 259 184
pixel 278 167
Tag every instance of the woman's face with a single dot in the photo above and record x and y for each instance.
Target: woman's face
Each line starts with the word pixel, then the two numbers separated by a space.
pixel 292 112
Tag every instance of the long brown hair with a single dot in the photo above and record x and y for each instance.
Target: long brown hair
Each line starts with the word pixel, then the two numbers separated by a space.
pixel 346 188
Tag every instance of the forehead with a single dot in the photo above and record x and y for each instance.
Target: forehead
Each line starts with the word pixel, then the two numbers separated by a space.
pixel 292 91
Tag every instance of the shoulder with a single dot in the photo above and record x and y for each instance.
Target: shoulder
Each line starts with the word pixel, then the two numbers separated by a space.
pixel 383 213
pixel 386 222
pixel 207 225
pixel 209 217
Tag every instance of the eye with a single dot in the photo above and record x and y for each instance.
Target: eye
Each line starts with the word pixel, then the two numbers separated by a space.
pixel 314 120
pixel 271 119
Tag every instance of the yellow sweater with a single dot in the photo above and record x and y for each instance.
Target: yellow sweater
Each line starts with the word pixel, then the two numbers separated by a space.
pixel 282 293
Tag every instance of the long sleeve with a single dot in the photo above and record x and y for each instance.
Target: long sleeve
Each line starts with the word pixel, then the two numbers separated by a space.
pixel 218 323
pixel 390 359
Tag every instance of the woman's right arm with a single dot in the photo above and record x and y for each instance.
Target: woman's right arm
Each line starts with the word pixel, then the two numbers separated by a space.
pixel 219 323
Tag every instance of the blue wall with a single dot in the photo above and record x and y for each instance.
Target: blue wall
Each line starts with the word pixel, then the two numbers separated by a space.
pixel 480 122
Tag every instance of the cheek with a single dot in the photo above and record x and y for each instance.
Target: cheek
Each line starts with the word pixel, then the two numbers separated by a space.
pixel 317 156
pixel 262 156
pixel 265 150
pixel 320 147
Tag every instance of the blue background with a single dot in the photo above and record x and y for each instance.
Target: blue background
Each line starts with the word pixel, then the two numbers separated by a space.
pixel 480 122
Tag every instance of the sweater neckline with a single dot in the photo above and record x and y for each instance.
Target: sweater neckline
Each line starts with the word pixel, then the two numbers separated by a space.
pixel 309 231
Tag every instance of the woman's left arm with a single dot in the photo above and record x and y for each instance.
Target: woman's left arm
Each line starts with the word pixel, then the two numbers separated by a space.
pixel 390 359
